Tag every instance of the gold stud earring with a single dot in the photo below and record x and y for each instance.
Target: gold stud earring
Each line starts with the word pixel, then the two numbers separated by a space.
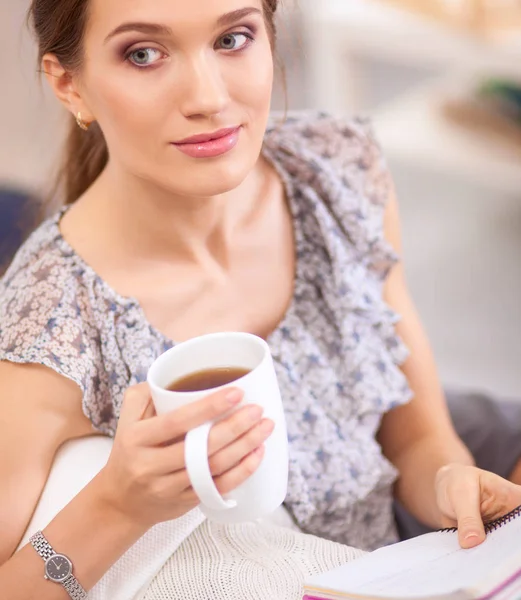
pixel 81 122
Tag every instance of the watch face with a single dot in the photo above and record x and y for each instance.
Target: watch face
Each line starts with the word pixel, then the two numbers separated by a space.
pixel 58 567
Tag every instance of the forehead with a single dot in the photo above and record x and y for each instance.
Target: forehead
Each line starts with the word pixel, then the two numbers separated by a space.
pixel 106 15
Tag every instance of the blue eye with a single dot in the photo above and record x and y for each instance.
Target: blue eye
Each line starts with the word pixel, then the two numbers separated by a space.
pixel 144 57
pixel 234 41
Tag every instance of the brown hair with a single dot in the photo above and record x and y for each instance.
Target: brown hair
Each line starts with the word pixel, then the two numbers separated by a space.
pixel 59 26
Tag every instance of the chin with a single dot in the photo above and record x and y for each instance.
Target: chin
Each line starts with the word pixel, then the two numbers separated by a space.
pixel 212 189
pixel 205 181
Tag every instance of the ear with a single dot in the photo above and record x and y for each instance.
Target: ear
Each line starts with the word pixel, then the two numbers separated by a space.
pixel 65 87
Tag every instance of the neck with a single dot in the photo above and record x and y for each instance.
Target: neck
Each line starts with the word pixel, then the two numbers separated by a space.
pixel 156 224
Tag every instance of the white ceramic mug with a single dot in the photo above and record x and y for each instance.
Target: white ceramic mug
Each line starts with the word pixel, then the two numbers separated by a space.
pixel 264 491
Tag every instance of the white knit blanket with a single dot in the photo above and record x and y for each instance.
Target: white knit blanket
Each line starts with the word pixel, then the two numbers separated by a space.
pixel 192 558
pixel 245 562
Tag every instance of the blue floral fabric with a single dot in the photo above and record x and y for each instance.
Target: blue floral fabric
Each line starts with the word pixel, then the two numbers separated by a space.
pixel 336 351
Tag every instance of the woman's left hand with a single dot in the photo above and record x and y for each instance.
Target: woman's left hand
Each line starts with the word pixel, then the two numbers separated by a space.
pixel 468 497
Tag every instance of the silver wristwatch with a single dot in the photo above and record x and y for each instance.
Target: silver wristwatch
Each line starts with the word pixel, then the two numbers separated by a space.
pixel 58 568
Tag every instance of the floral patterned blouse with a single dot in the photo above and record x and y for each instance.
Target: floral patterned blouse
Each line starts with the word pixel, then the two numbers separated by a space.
pixel 336 351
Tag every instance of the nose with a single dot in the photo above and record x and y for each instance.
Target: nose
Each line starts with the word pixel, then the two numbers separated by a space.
pixel 204 90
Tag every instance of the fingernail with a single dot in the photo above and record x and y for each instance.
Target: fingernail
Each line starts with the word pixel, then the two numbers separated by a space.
pixel 267 426
pixel 254 413
pixel 471 535
pixel 233 397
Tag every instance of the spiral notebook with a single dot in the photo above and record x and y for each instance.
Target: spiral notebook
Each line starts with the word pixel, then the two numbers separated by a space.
pixel 432 567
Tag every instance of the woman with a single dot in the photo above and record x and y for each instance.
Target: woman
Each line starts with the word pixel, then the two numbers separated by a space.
pixel 188 214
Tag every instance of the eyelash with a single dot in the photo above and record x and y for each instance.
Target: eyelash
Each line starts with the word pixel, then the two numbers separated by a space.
pixel 249 35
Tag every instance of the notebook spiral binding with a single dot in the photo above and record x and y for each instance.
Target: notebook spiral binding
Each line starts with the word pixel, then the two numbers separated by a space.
pixel 493 525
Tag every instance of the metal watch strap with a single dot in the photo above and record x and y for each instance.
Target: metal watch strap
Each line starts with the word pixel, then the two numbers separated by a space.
pixel 46 551
pixel 42 546
pixel 73 588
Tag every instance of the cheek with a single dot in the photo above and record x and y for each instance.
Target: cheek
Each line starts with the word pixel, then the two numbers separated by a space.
pixel 129 108
pixel 256 83
pixel 250 88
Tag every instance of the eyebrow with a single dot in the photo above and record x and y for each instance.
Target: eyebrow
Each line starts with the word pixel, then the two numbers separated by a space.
pixel 237 15
pixel 156 29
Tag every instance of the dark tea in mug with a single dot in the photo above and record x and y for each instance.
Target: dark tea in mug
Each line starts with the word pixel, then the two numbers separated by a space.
pixel 207 379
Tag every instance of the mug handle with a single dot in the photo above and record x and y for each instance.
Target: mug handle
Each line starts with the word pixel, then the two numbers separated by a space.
pixel 196 461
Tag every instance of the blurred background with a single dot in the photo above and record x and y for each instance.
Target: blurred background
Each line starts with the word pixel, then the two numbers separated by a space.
pixel 442 81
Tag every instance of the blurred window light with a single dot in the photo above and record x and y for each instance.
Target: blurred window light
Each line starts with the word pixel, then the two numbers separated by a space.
pixel 480 16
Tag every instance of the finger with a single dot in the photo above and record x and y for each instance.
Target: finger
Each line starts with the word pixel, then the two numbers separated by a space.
pixel 175 424
pixel 165 460
pixel 500 496
pixel 234 478
pixel 137 405
pixel 465 497
pixel 232 428
pixel 232 455
pixel 238 475
pixel 447 523
pixel 150 410
pixel 515 491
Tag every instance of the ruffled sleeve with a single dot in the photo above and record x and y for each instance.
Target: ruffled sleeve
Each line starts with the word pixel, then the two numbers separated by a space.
pixel 44 319
pixel 343 185
pixel 341 161
pixel 338 355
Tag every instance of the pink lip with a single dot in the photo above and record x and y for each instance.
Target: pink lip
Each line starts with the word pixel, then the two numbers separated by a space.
pixel 211 144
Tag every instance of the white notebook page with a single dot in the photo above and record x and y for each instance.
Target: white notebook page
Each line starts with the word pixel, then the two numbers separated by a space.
pixel 431 565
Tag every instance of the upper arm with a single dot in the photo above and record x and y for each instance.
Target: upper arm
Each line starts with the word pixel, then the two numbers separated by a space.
pixel 39 411
pixel 427 413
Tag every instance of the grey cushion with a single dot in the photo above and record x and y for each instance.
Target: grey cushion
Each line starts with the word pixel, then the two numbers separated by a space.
pixel 20 213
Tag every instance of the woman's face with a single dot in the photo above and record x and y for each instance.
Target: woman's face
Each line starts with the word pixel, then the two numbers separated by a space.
pixel 159 72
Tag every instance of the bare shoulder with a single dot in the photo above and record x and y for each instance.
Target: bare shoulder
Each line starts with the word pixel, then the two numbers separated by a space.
pixel 30 393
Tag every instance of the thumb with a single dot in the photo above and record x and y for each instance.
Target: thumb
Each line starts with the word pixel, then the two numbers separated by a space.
pixel 137 405
pixel 471 531
pixel 466 501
